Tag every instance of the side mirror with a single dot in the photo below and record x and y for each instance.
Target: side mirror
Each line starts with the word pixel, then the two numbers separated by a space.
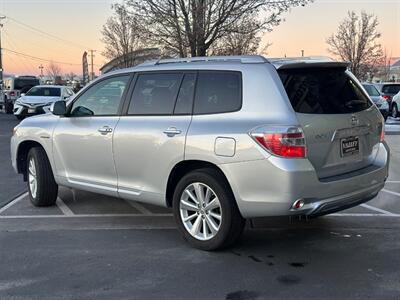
pixel 23 94
pixel 58 108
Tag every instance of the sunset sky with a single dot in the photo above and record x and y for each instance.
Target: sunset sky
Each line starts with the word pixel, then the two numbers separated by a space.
pixel 76 24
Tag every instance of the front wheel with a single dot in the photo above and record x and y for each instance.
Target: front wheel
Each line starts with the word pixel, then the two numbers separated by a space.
pixel 42 187
pixel 205 210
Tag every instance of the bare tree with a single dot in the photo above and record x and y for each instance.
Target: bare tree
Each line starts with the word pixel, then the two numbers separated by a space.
pixel 243 39
pixel 122 35
pixel 192 27
pixel 53 70
pixel 357 41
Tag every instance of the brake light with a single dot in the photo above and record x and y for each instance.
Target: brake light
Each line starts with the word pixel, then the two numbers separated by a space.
pixel 382 138
pixel 386 97
pixel 288 142
pixel 12 93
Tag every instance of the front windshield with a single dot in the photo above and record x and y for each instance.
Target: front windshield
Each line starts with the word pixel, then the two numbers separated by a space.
pixel 44 92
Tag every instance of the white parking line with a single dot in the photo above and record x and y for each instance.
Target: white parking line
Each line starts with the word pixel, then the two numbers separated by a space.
pixel 139 207
pixel 385 212
pixel 64 208
pixel 362 215
pixel 391 192
pixel 392 181
pixel 84 216
pixel 16 200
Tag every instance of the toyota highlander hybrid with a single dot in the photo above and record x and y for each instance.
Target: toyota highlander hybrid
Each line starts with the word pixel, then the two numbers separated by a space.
pixel 218 139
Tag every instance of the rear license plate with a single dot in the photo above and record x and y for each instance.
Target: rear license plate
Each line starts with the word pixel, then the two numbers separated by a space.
pixel 31 110
pixel 350 146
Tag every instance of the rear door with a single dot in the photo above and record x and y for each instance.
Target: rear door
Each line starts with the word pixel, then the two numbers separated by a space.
pixel 340 123
pixel 149 139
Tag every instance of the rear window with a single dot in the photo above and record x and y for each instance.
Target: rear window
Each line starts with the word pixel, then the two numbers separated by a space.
pixel 323 91
pixel 371 90
pixel 218 92
pixel 44 91
pixel 25 83
pixel 155 94
pixel 391 89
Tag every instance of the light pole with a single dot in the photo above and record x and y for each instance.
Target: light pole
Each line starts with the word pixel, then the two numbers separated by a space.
pixel 41 72
pixel 1 54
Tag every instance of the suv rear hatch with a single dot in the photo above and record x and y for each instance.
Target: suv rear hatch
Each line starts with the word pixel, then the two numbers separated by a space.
pixel 340 123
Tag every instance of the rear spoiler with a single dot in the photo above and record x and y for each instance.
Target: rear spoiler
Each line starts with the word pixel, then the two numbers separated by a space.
pixel 311 64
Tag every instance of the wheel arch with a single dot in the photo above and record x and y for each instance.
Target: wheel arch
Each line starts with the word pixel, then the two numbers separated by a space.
pixel 22 155
pixel 184 167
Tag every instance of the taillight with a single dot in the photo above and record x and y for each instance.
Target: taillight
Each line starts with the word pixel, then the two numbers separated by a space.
pixel 281 141
pixel 386 97
pixel 12 93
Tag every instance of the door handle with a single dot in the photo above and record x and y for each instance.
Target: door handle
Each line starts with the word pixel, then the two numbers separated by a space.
pixel 171 131
pixel 105 130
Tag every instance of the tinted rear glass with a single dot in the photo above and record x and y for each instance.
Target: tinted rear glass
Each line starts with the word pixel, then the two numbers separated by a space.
pixel 25 83
pixel 44 91
pixel 391 89
pixel 218 92
pixel 323 91
pixel 371 90
pixel 155 94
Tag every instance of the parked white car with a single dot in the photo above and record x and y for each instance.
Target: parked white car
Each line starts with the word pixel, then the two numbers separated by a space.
pixel 396 105
pixel 39 98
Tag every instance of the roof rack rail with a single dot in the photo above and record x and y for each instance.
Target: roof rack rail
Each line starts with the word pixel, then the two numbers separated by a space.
pixel 244 59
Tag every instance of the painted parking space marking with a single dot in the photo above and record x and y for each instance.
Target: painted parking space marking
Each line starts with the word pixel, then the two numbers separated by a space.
pixel 391 192
pixel 16 200
pixel 385 212
pixel 64 208
pixel 84 216
pixel 139 207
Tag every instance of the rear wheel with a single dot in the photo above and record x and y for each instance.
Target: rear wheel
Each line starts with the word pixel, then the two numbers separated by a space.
pixel 205 210
pixel 395 111
pixel 42 187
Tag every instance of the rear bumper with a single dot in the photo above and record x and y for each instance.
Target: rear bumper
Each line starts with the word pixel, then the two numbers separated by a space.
pixel 270 187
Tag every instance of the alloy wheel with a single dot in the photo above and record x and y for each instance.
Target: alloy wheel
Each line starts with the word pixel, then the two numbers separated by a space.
pixel 32 178
pixel 200 211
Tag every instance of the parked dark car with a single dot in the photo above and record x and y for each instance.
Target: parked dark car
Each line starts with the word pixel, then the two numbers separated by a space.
pixel 378 99
pixel 388 90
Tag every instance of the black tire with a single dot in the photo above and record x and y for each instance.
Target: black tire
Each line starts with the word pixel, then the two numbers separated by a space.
pixel 47 188
pixel 8 107
pixel 395 111
pixel 20 117
pixel 232 223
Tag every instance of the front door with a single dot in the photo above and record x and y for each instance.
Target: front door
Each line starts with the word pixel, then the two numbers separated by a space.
pixel 83 140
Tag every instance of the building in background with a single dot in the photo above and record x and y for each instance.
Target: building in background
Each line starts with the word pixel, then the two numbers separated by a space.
pixel 137 57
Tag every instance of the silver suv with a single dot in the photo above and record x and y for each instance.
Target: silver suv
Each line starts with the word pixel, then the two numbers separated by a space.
pixel 218 139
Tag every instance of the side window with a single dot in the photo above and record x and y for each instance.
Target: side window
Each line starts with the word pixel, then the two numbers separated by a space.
pixel 101 99
pixel 218 92
pixel 184 101
pixel 155 94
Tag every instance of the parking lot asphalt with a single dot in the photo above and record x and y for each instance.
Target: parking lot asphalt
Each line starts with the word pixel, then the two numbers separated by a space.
pixel 92 246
